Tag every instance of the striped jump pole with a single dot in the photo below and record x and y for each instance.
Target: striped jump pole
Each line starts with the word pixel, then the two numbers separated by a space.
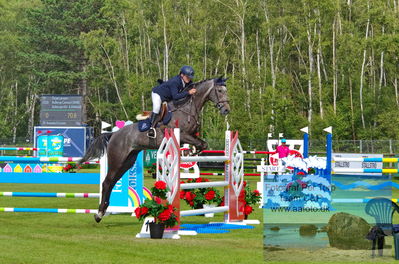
pixel 244 152
pixel 28 159
pixel 359 170
pixel 384 160
pixel 204 159
pixel 54 195
pixel 90 162
pixel 222 174
pixel 39 159
pixel 48 210
pixel 20 148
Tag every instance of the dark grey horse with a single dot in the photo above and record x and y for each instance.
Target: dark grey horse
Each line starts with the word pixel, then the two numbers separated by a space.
pixel 124 145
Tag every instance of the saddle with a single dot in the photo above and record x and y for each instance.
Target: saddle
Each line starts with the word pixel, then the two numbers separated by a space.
pixel 163 119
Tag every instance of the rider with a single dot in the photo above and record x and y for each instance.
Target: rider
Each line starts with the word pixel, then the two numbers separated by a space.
pixel 283 150
pixel 173 89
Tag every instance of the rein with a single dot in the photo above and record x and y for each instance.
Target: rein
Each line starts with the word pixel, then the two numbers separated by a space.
pixel 190 102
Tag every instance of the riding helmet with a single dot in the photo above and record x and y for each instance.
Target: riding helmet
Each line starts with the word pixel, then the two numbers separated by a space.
pixel 187 70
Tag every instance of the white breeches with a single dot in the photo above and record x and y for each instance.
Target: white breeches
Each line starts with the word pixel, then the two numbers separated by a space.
pixel 156 103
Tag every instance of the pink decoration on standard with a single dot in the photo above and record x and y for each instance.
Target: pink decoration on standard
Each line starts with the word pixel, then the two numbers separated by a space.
pixel 120 124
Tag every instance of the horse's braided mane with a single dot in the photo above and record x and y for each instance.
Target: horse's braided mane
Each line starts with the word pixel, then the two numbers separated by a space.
pixel 197 83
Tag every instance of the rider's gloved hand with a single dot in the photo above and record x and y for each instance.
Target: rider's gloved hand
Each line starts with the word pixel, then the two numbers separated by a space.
pixel 192 91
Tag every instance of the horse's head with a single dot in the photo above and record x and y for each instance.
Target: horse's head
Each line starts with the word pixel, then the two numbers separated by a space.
pixel 218 95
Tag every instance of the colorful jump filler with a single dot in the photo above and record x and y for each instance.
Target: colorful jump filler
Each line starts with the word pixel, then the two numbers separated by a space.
pixel 49 149
pixel 309 187
pixel 168 170
pixel 127 194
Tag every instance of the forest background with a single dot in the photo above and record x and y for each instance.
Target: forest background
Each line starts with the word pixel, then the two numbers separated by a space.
pixel 290 64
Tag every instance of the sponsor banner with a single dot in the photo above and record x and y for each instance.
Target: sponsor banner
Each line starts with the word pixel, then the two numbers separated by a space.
pixel 356 164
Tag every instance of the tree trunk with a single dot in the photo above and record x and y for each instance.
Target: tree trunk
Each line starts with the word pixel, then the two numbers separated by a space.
pixel 205 54
pixel 362 72
pixel 111 73
pixel 16 120
pixel 395 85
pixel 258 56
pixel 310 74
pixel 166 54
pixel 272 67
pixel 352 108
pixel 318 67
pixel 126 50
pixel 83 89
pixel 334 63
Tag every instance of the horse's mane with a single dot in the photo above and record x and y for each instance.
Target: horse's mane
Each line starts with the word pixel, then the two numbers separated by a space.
pixel 195 84
pixel 219 80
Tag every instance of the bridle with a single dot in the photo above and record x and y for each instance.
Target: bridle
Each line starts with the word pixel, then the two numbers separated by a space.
pixel 220 103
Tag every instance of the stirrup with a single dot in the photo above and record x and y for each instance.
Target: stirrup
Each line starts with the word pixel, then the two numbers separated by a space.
pixel 152 130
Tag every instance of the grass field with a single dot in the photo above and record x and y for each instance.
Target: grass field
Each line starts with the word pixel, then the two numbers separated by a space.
pixel 76 238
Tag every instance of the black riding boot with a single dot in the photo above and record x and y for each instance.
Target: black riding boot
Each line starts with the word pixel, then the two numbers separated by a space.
pixel 151 133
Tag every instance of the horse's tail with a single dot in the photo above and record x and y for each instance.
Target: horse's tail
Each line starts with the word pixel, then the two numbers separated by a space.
pixel 97 148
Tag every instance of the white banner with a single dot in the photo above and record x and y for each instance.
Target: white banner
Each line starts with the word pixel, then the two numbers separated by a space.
pixel 270 168
pixel 341 165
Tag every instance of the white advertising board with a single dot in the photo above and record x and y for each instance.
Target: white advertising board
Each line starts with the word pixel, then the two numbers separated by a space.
pixel 357 164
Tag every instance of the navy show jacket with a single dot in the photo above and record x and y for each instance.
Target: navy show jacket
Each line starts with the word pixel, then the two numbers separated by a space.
pixel 171 89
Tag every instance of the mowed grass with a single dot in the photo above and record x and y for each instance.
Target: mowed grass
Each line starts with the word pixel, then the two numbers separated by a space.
pixel 76 238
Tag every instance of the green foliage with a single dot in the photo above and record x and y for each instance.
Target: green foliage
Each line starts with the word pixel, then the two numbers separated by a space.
pixel 114 51
pixel 76 238
pixel 197 197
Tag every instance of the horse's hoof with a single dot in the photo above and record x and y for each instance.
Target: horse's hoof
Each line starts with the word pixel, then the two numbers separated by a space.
pixel 97 218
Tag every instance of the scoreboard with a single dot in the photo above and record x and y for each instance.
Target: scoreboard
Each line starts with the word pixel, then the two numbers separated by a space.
pixel 61 110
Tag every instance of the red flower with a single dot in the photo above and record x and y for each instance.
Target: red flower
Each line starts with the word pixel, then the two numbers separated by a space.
pixel 139 211
pixel 210 195
pixel 256 193
pixel 191 203
pixel 170 208
pixel 245 183
pixel 182 194
pixel 190 196
pixel 198 179
pixel 248 209
pixel 158 200
pixel 222 203
pixel 300 173
pixel 206 180
pixel 165 215
pixel 160 185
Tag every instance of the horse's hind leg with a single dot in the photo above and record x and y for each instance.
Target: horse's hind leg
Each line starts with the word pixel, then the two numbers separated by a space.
pixel 115 172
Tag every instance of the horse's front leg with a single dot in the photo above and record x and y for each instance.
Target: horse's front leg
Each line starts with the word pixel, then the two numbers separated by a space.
pixel 195 141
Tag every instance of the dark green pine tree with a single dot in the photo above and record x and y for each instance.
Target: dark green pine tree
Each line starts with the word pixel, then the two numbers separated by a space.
pixel 58 56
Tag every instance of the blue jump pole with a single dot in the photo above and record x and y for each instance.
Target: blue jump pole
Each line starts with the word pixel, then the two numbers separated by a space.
pixel 55 195
pixel 22 159
pixel 305 130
